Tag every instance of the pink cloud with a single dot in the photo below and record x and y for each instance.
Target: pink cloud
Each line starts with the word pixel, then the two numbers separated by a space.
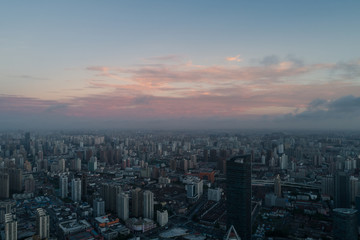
pixel 234 59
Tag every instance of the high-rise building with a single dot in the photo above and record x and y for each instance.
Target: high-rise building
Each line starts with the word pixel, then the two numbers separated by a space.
pixel 354 186
pixel 4 185
pixel 15 179
pixel 277 186
pixel 148 207
pixel 42 224
pixel 63 185
pixel 29 184
pixel 61 165
pixel 98 207
pixel 109 194
pixel 78 164
pixel 357 206
pixel 342 190
pixel 10 227
pixel 123 206
pixel 84 187
pixel 92 164
pixel 137 202
pixel 327 185
pixel 76 190
pixel 238 195
pixel 5 207
pixel 345 224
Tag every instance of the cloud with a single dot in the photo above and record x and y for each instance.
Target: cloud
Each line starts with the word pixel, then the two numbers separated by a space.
pixel 286 90
pixel 234 59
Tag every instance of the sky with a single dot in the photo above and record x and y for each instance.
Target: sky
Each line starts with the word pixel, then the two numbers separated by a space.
pixel 180 64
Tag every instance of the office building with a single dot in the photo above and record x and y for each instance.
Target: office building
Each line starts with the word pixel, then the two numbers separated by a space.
pixel 357 207
pixel 137 202
pixel 42 224
pixel 98 207
pixel 123 206
pixel 92 165
pixel 15 179
pixel 148 207
pixel 84 187
pixel 345 224
pixel 354 186
pixel 29 184
pixel 342 190
pixel 238 195
pixel 76 190
pixel 4 185
pixel 63 186
pixel 10 227
pixel 109 193
pixel 327 185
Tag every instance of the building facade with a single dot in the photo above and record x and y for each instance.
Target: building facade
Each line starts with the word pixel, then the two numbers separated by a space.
pixel 76 190
pixel 238 195
pixel 42 224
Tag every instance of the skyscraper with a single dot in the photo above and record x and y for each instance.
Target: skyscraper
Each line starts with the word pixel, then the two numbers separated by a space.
pixel 345 224
pixel 238 194
pixel 42 224
pixel 109 194
pixel 63 185
pixel 76 190
pixel 342 190
pixel 123 206
pixel 10 227
pixel 354 186
pixel 148 204
pixel 4 185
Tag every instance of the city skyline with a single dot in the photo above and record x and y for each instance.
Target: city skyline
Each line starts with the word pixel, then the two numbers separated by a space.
pixel 184 65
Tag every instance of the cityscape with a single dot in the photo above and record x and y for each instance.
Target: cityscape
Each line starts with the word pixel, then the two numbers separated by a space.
pixel 186 120
pixel 179 185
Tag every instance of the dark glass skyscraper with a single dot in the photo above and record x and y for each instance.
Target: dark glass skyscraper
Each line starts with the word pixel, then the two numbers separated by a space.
pixel 342 190
pixel 345 224
pixel 238 195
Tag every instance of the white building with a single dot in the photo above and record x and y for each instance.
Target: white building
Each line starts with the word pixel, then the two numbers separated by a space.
pixel 78 164
pixel 76 190
pixel 284 161
pixel 10 227
pixel 162 217
pixel 194 189
pixel 123 206
pixel 148 204
pixel 98 207
pixel 63 186
pixel 42 224
pixel 61 165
